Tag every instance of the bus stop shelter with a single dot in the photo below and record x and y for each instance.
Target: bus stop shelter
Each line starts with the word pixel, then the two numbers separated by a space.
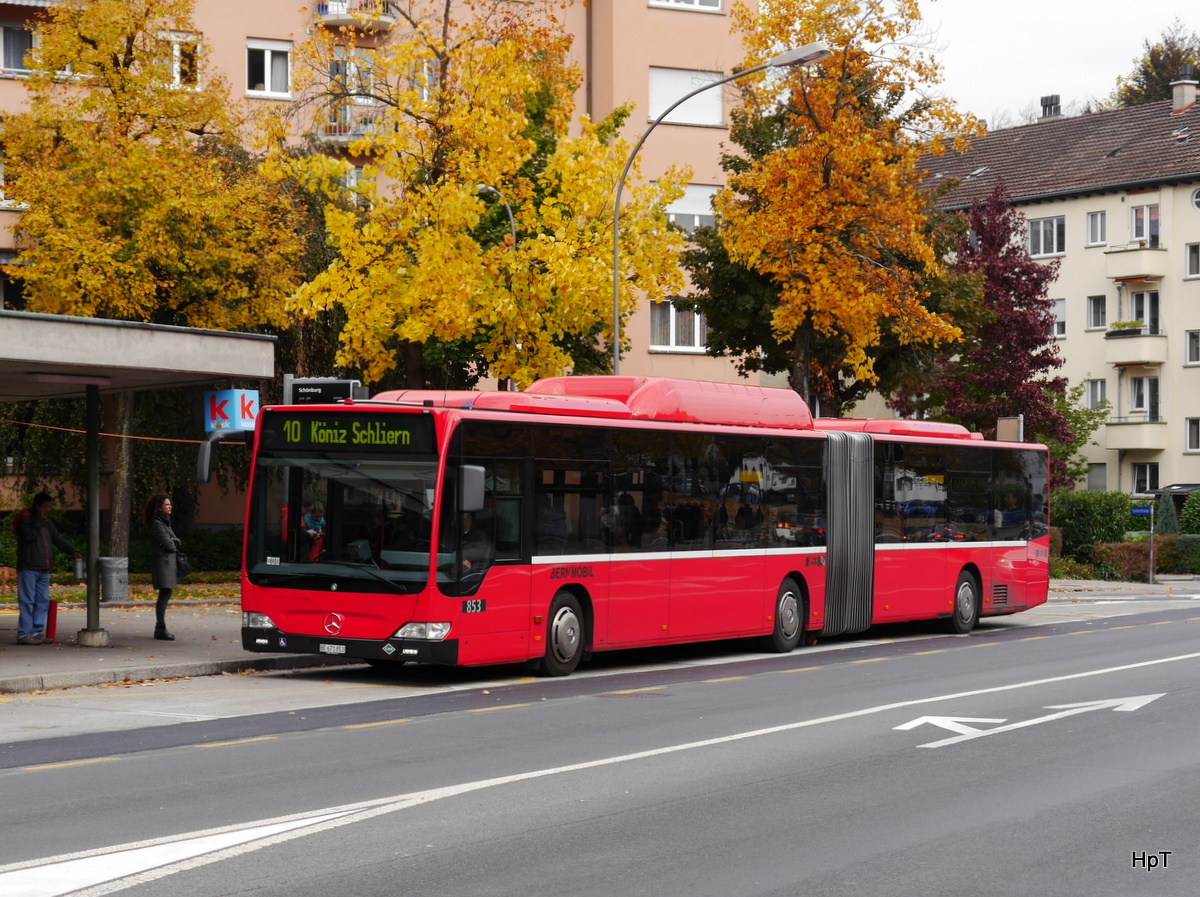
pixel 59 357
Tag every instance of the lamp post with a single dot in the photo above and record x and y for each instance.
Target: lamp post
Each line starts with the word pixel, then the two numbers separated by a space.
pixel 809 54
pixel 483 189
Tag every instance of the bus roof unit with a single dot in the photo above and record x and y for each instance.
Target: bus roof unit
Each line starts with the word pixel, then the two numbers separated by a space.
pixel 689 401
pixel 924 429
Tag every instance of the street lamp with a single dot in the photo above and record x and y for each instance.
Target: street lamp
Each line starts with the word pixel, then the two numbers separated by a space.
pixel 484 189
pixel 809 54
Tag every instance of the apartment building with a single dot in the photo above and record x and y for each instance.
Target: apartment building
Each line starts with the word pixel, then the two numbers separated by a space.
pixel 645 52
pixel 1114 196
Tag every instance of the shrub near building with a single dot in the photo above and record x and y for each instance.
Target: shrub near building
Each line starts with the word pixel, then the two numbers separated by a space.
pixel 1088 518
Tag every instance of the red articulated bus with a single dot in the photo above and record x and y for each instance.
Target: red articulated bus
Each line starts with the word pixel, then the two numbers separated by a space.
pixel 593 514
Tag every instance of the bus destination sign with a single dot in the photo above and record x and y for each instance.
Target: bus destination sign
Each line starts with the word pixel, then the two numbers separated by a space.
pixel 345 431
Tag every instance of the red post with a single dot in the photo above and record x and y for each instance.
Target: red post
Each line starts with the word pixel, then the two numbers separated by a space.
pixel 52 620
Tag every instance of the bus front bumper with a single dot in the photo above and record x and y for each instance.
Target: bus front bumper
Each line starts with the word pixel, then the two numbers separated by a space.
pixel 273 641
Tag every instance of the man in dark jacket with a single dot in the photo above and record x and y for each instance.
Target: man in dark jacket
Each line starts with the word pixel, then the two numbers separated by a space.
pixel 36 538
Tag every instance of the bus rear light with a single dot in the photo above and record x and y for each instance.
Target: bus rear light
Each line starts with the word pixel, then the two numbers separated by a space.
pixel 432 632
pixel 257 621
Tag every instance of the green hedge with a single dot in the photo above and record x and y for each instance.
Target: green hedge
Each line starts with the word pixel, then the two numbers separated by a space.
pixel 208 550
pixel 1089 518
pixel 1130 561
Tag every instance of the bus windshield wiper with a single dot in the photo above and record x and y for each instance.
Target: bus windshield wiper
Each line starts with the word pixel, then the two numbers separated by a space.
pixel 373 569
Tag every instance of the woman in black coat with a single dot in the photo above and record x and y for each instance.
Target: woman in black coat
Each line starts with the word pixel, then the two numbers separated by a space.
pixel 163 547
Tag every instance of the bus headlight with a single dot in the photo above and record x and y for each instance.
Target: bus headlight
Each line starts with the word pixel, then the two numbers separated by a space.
pixel 431 632
pixel 257 621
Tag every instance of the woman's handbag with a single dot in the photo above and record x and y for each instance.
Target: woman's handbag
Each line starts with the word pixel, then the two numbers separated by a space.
pixel 182 565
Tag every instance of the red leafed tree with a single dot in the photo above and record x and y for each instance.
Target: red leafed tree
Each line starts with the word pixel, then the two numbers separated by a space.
pixel 1006 366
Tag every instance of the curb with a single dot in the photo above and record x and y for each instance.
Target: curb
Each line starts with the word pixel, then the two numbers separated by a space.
pixel 76 679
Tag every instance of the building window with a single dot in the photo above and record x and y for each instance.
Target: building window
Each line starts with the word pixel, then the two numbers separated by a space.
pixel 1143 397
pixel 1097 312
pixel 673 330
pixel 1097 393
pixel 1196 199
pixel 1192 347
pixel 693 209
pixel 1145 477
pixel 1193 434
pixel 1193 260
pixel 184 50
pixel 689 4
pixel 668 85
pixel 1058 329
pixel 1047 236
pixel 1096 228
pixel 1097 478
pixel 1144 224
pixel 18 42
pixel 1145 309
pixel 268 68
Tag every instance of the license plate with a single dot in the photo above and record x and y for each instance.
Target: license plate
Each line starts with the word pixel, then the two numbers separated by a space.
pixel 332 649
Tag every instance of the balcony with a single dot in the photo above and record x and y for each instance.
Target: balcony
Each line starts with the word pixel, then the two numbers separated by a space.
pixel 344 134
pixel 1136 261
pixel 364 15
pixel 1128 346
pixel 1136 432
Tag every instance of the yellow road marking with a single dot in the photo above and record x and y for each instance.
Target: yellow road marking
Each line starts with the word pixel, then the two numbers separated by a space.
pixel 69 763
pixel 870 660
pixel 386 722
pixel 501 707
pixel 634 691
pixel 231 743
pixel 801 670
pixel 728 679
pixel 923 653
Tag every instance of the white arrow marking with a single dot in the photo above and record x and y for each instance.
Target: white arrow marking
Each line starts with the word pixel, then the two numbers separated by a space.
pixel 953 723
pixel 1126 704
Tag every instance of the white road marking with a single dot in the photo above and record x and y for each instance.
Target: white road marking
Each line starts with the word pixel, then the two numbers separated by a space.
pixel 150 860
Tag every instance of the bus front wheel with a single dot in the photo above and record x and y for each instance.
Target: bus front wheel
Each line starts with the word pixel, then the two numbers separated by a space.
pixel 966 605
pixel 789 619
pixel 564 636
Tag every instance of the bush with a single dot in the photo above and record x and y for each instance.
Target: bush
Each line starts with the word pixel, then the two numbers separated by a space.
pixel 1056 541
pixel 208 550
pixel 1069 568
pixel 1128 561
pixel 1177 554
pixel 1189 517
pixel 1088 518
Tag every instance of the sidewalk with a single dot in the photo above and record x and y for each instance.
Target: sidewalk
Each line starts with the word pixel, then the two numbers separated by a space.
pixel 208 641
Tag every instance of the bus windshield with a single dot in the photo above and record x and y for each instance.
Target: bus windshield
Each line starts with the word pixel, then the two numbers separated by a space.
pixel 318 517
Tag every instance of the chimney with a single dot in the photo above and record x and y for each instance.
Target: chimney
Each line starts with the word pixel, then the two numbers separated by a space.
pixel 1183 91
pixel 1051 108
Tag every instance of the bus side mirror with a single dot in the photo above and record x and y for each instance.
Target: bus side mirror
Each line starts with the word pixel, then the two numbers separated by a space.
pixel 204 457
pixel 471 479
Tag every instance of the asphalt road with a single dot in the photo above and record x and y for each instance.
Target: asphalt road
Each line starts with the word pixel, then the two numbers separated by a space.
pixel 1051 754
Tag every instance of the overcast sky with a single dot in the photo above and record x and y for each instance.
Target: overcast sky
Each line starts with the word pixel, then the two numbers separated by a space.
pixel 1003 56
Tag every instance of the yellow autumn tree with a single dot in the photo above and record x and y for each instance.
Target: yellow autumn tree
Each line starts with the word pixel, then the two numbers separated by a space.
pixel 458 115
pixel 830 208
pixel 137 202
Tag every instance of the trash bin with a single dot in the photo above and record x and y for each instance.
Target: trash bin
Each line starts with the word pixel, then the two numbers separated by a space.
pixel 114 579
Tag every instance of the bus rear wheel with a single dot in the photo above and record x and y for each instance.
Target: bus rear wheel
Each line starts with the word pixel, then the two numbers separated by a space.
pixel 564 636
pixel 789 619
pixel 966 605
